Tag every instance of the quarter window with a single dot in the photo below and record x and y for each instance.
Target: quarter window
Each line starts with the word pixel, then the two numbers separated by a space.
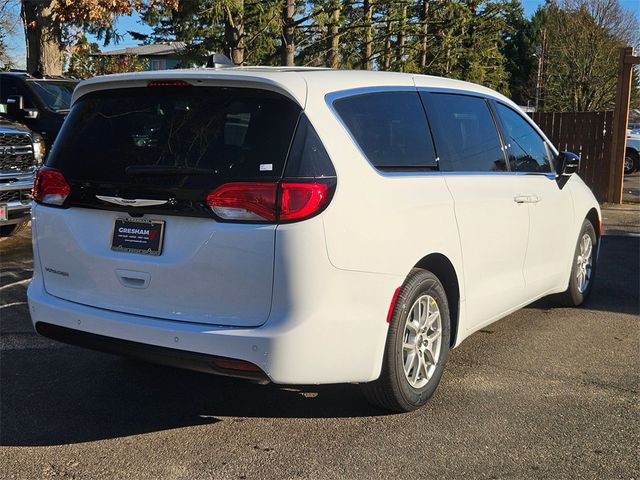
pixel 465 133
pixel 528 152
pixel 390 128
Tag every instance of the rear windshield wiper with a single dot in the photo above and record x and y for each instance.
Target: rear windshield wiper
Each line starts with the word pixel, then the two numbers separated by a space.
pixel 167 170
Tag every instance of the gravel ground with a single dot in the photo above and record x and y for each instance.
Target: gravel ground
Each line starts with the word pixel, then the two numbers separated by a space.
pixel 544 393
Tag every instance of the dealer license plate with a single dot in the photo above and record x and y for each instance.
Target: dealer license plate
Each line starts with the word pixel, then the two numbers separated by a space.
pixel 135 235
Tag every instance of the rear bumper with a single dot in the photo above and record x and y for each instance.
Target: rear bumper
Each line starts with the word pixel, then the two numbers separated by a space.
pixel 310 347
pixel 150 353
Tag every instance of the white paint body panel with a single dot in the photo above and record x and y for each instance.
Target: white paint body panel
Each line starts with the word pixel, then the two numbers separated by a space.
pixel 198 278
pixel 307 302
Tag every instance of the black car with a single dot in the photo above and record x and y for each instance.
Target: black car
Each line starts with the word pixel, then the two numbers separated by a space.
pixel 39 103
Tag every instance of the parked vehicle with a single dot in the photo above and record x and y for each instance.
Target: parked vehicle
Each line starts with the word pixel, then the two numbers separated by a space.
pixel 632 153
pixel 39 103
pixel 302 226
pixel 20 153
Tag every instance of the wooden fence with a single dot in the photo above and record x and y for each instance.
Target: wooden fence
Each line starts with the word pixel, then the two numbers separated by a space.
pixel 590 135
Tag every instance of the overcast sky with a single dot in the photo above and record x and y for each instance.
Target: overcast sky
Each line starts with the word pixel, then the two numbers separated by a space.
pixel 16 42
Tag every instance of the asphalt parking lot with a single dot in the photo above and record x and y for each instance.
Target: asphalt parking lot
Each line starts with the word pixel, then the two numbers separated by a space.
pixel 545 393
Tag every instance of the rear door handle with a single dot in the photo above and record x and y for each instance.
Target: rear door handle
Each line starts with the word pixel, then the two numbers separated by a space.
pixel 133 279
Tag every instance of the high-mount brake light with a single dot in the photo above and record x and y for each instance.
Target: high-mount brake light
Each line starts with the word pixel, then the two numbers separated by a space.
pixel 268 201
pixel 50 187
pixel 168 83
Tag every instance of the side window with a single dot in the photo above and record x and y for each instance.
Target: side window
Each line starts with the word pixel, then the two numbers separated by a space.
pixel 465 133
pixel 9 87
pixel 390 128
pixel 307 156
pixel 528 152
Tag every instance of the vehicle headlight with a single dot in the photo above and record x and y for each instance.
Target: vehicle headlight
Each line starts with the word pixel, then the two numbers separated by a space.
pixel 39 148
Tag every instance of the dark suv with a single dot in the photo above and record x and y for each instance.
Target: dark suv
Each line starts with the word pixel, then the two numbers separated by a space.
pixel 39 103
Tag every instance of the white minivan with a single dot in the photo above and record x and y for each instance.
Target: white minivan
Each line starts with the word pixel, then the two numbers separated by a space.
pixel 302 226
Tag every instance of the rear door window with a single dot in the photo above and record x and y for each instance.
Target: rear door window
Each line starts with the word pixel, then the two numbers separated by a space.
pixel 390 128
pixel 465 133
pixel 181 141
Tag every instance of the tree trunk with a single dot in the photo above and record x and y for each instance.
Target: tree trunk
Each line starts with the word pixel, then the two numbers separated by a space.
pixel 424 13
pixel 288 47
pixel 402 25
pixel 234 33
pixel 367 51
pixel 43 38
pixel 333 39
pixel 386 54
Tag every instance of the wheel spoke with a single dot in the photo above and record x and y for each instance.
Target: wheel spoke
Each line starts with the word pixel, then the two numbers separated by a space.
pixel 430 354
pixel 424 313
pixel 435 335
pixel 432 319
pixel 408 363
pixel 423 368
pixel 587 255
pixel 413 326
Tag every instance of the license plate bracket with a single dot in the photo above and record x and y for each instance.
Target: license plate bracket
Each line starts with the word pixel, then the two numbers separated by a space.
pixel 137 235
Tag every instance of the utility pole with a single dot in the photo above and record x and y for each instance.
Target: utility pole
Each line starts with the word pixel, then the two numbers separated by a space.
pixel 540 53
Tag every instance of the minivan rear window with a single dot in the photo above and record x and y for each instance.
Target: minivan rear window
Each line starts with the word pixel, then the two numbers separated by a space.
pixel 175 137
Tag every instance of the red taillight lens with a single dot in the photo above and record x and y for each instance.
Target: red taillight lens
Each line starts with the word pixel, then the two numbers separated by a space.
pixel 301 200
pixel 268 202
pixel 50 187
pixel 244 201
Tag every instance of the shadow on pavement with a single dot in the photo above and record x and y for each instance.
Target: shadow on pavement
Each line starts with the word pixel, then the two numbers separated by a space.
pixel 62 395
pixel 53 394
pixel 617 284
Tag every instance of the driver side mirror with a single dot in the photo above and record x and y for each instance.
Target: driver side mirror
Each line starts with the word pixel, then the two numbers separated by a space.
pixel 567 163
pixel 16 110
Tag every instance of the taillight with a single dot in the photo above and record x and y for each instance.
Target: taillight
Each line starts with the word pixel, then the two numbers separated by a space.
pixel 301 200
pixel 50 187
pixel 269 201
pixel 244 201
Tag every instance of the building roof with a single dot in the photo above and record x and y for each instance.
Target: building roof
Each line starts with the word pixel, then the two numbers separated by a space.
pixel 157 49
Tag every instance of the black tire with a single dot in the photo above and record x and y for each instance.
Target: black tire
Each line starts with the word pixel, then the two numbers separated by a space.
pixel 631 162
pixel 392 390
pixel 10 230
pixel 574 295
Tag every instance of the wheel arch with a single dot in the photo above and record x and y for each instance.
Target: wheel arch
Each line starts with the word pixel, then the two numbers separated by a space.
pixel 594 218
pixel 442 268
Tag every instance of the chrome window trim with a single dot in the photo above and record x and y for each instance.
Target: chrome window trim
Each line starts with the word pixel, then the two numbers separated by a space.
pixel 331 97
